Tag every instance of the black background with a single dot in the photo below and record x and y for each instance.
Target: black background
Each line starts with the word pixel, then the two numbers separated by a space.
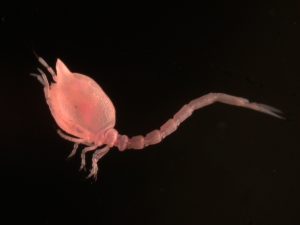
pixel 225 165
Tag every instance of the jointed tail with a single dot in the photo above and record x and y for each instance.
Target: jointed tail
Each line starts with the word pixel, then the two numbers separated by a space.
pixel 156 136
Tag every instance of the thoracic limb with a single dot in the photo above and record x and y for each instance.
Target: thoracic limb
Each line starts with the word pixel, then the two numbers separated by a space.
pixel 84 151
pixel 45 64
pixel 42 78
pixel 69 138
pixel 98 154
pixel 74 150
pixel 76 141
pixel 156 136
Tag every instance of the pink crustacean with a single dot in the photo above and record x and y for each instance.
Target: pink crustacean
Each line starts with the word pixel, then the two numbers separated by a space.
pixel 87 116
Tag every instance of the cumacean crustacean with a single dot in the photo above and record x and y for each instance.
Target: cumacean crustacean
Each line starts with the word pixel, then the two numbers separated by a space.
pixel 86 115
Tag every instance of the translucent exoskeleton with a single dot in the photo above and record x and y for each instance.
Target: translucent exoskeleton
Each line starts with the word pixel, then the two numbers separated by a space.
pixel 86 115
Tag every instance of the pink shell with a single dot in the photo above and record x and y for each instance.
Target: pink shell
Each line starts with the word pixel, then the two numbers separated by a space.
pixel 79 105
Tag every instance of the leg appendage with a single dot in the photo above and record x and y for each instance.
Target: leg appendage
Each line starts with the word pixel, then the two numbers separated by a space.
pixel 45 64
pixel 74 150
pixel 38 77
pixel 98 154
pixel 69 138
pixel 84 151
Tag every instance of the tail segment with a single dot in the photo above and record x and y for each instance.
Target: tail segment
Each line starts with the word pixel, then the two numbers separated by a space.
pixel 156 136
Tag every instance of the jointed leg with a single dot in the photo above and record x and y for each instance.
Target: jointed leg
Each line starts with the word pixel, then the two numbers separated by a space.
pixel 76 141
pixel 45 64
pixel 42 78
pixel 73 152
pixel 38 76
pixel 69 138
pixel 98 154
pixel 84 151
